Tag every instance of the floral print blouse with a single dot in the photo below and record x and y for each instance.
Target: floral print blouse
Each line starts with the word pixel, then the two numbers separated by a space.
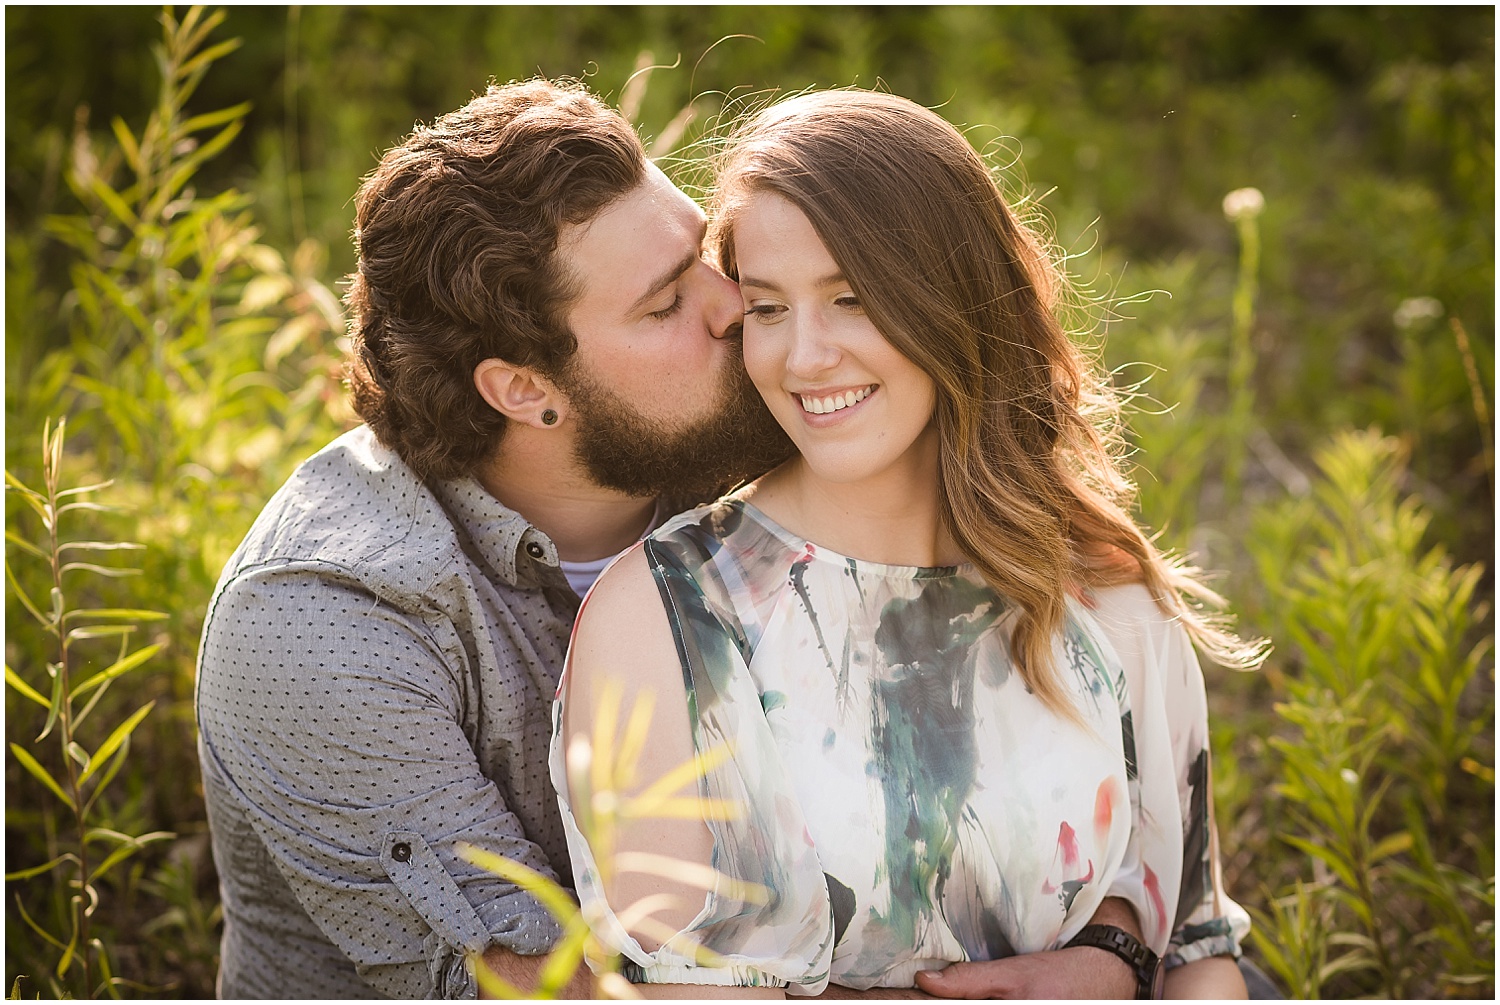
pixel 904 799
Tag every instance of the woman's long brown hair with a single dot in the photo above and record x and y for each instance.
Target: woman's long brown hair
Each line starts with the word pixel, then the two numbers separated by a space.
pixel 1030 475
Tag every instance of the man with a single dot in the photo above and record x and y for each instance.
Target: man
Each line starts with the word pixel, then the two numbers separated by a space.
pixel 540 355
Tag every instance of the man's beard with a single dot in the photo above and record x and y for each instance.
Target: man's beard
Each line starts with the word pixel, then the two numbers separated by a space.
pixel 624 450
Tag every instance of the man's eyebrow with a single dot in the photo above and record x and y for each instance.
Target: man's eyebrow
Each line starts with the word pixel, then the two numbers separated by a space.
pixel 671 275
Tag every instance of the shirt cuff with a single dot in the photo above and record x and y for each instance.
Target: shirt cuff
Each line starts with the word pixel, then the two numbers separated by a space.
pixel 1198 942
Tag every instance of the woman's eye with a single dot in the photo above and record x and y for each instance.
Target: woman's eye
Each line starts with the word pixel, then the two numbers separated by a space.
pixel 764 311
pixel 848 301
pixel 669 310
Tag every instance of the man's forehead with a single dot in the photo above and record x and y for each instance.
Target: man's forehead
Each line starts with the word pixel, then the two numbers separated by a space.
pixel 623 249
pixel 654 200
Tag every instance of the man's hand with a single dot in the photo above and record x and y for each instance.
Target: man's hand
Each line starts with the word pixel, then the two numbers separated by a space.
pixel 524 973
pixel 1079 972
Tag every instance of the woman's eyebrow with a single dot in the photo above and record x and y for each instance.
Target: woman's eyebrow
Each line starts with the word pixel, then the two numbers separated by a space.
pixel 835 279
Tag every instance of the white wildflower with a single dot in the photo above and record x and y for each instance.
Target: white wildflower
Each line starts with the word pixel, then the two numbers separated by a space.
pixel 1243 204
pixel 1414 310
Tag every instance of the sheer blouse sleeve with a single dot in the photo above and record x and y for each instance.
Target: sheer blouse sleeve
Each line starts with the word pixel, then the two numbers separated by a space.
pixel 1175 880
pixel 766 921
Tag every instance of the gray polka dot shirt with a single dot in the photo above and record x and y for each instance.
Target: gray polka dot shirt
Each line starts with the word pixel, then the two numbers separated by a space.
pixel 374 688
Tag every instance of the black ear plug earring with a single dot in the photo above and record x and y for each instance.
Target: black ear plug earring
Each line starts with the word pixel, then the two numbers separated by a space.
pixel 549 417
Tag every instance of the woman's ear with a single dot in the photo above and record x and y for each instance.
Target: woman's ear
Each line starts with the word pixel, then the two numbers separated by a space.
pixel 519 393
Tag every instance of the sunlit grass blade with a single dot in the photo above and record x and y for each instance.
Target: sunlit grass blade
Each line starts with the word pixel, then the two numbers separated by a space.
pixel 613 985
pixel 112 201
pixel 100 546
pixel 28 493
pixel 552 897
pixel 26 602
pixel 496 987
pixel 78 754
pixel 564 960
pixel 645 907
pixel 117 614
pixel 70 949
pixel 702 876
pixel 55 706
pixel 38 929
pixel 119 736
pixel 117 668
pixel 99 570
pixel 126 850
pixel 109 775
pixel 101 632
pixel 208 55
pixel 84 489
pixel 38 772
pixel 681 776
pixel 604 735
pixel 37 870
pixel 20 542
pixel 637 730
pixel 682 808
pixel 211 119
pixel 108 984
pixel 14 680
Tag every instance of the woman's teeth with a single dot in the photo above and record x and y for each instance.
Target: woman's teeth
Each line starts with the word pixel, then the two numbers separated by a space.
pixel 822 406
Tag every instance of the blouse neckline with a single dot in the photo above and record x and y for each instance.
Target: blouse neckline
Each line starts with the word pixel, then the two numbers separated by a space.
pixel 819 553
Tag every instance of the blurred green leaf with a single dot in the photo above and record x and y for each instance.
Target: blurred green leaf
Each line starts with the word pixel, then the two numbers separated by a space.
pixel 38 772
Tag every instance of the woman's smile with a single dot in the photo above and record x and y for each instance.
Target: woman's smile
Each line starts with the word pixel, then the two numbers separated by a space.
pixel 830 403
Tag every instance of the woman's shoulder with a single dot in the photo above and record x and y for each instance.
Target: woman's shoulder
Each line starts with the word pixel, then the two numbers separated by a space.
pixel 1146 634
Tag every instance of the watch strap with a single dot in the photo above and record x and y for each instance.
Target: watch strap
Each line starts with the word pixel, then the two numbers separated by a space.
pixel 1142 961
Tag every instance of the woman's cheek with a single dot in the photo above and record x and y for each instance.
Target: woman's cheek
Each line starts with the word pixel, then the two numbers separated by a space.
pixel 761 361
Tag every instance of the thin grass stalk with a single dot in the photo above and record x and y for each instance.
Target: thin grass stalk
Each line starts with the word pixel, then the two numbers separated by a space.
pixel 52 444
pixel 1476 393
pixel 1243 208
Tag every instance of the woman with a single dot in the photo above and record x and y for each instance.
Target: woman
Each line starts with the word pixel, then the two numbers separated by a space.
pixel 963 717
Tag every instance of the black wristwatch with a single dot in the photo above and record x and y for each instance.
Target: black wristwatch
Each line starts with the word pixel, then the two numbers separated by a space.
pixel 1150 971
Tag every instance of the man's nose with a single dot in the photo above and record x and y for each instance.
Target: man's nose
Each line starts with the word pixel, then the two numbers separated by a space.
pixel 726 310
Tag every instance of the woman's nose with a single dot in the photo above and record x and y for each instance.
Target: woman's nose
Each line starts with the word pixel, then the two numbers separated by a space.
pixel 812 352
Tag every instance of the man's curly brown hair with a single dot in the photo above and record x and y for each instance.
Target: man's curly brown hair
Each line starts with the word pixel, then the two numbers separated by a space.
pixel 456 232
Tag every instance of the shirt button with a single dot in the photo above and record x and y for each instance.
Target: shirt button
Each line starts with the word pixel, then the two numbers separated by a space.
pixel 535 550
pixel 401 852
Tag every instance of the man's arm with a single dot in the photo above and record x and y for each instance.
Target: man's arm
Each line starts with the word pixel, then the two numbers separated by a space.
pixel 336 725
pixel 524 974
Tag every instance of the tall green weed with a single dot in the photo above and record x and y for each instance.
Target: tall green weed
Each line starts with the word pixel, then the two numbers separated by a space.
pixel 196 365
pixel 75 756
pixel 1385 760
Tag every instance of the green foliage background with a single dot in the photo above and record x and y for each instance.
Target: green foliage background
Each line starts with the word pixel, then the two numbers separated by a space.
pixel 193 344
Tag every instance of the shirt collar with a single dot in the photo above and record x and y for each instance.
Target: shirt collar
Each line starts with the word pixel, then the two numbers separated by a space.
pixel 518 553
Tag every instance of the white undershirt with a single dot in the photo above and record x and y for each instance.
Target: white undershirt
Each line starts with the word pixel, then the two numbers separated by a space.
pixel 581 575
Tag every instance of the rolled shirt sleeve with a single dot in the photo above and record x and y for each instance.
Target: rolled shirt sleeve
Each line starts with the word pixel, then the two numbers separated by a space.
pixel 334 724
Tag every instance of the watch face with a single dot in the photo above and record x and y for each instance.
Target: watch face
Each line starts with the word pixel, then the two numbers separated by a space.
pixel 1159 979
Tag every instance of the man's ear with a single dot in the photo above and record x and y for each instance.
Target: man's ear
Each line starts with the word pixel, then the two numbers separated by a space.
pixel 519 393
